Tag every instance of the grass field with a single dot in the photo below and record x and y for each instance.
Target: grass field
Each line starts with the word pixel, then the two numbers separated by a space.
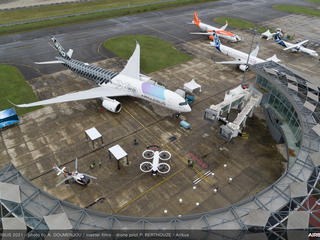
pixel 315 1
pixel 238 23
pixel 59 10
pixel 64 9
pixel 15 88
pixel 156 54
pixel 298 10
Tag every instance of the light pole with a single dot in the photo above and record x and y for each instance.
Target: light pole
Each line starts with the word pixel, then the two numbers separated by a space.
pixel 247 64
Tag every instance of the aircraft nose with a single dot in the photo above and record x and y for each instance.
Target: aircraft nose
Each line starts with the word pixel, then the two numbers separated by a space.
pixel 187 108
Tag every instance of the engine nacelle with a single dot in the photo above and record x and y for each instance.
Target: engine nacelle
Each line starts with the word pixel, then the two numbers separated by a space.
pixel 111 105
pixel 243 67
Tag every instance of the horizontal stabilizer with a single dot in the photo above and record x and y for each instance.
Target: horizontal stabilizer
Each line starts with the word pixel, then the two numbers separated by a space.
pixel 296 45
pixel 49 62
pixel 82 95
pixel 273 58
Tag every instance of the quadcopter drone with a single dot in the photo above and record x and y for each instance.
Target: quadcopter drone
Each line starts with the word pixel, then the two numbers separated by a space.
pixel 155 166
pixel 80 178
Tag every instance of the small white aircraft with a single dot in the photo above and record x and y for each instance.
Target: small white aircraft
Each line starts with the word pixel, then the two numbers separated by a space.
pixel 155 166
pixel 129 82
pixel 298 47
pixel 80 178
pixel 208 29
pixel 240 57
pixel 268 35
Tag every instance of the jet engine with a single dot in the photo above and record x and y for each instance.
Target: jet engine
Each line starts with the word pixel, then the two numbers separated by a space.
pixel 111 105
pixel 243 67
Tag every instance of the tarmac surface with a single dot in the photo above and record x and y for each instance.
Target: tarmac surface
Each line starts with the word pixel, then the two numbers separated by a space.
pixel 22 50
pixel 8 4
pixel 56 132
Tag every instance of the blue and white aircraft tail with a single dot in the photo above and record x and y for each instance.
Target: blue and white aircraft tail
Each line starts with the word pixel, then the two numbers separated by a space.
pixel 298 47
pixel 240 57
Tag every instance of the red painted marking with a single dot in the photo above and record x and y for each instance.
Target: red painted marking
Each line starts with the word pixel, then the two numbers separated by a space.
pixel 198 160
pixel 308 204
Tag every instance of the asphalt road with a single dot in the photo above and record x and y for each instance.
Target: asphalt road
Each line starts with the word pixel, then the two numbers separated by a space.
pixel 23 49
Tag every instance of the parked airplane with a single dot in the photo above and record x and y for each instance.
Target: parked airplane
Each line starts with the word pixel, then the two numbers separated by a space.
pixel 129 82
pixel 240 57
pixel 298 47
pixel 80 178
pixel 208 29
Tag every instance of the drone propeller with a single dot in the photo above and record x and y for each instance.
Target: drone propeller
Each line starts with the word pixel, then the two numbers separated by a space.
pixel 164 155
pixel 148 154
pixel 146 167
pixel 67 178
pixel 163 168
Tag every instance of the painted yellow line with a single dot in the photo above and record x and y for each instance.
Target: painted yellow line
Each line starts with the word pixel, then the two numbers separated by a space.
pixel 143 139
pixel 134 118
pixel 157 185
pixel 170 149
pixel 98 50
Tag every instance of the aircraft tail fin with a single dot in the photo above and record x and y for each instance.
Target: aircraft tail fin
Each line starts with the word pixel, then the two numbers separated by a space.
pixel 277 39
pixel 196 18
pixel 55 167
pixel 216 40
pixel 255 51
pixel 132 69
pixel 224 26
pixel 60 49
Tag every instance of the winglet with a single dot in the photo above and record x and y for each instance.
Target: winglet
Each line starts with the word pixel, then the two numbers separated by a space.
pixel 132 69
pixel 12 103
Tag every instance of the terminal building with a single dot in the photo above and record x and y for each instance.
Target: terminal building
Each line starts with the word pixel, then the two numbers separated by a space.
pixel 291 105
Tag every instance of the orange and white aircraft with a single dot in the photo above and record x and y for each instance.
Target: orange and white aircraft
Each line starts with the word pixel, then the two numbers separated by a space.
pixel 208 30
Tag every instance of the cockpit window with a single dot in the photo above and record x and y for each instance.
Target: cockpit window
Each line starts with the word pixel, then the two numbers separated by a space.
pixel 183 103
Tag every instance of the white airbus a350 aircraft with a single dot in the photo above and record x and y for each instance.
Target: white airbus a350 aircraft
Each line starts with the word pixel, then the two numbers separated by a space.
pixel 240 57
pixel 298 47
pixel 129 82
pixel 208 29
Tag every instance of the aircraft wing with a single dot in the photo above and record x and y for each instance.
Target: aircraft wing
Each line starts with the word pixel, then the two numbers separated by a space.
pixel 49 62
pixel 82 95
pixel 232 62
pixel 296 45
pixel 203 33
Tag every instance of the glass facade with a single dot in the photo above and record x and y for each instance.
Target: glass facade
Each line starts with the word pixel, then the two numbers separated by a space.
pixel 284 109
